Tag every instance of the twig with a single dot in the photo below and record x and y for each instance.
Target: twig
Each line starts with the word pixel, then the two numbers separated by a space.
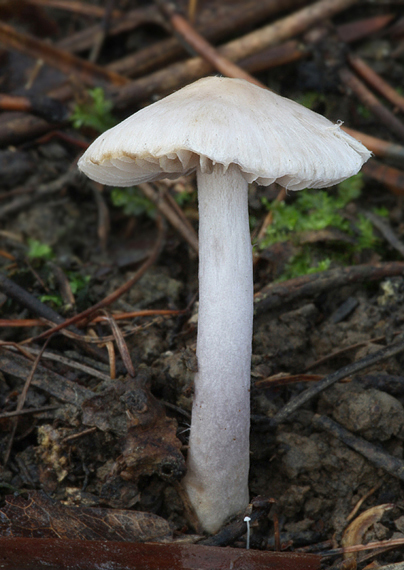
pixel 279 294
pixel 173 216
pixel 379 147
pixel 369 546
pixel 298 401
pixel 375 81
pixel 78 435
pixel 372 453
pixel 176 75
pixel 84 39
pixel 69 64
pixel 386 117
pixel 391 177
pixel 192 38
pixel 342 351
pixel 386 231
pixel 27 412
pixel 41 191
pixel 103 32
pixel 68 362
pixel 21 402
pixel 50 109
pixel 117 293
pixel 225 18
pixel 353 31
pixel 76 7
pixel 27 300
pixel 121 344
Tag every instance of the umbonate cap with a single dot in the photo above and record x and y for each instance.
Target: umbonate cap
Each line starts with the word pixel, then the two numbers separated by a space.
pixel 222 121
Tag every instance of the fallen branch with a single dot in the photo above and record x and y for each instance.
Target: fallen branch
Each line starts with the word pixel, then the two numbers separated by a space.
pixel 278 294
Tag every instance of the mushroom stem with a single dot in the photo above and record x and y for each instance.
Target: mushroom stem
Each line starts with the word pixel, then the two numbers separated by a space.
pixel 218 457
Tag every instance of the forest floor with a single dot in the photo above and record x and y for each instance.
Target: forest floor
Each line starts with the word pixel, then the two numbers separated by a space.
pixel 109 402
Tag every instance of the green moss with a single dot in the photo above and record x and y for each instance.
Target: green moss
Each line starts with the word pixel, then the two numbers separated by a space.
pixel 315 210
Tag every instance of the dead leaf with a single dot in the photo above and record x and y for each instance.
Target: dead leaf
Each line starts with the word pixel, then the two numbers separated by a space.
pixel 355 532
pixel 41 517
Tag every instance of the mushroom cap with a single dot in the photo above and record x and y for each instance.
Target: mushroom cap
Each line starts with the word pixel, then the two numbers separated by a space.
pixel 222 121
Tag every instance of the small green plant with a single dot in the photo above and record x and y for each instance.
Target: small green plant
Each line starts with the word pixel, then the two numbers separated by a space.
pixel 382 212
pixel 364 112
pixel 313 211
pixel 39 250
pixel 77 281
pixel 133 202
pixel 55 300
pixel 94 113
pixel 310 99
pixel 302 264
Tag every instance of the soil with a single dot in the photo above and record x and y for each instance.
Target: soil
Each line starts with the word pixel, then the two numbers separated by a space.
pixel 315 478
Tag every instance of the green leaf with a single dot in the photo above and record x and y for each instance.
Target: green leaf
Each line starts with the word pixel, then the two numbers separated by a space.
pixel 38 250
pixel 95 113
pixel 133 202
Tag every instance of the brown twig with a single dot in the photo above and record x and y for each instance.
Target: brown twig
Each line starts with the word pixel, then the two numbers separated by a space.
pixel 76 7
pixel 375 81
pixel 50 109
pixel 176 219
pixel 391 177
pixel 379 147
pixel 176 75
pixel 212 25
pixel 84 39
pixel 385 116
pixel 116 294
pixel 21 402
pixel 121 344
pixel 187 33
pixel 69 64
pixel 353 31
pixel 27 300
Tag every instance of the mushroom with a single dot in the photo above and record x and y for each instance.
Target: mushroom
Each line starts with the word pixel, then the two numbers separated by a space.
pixel 232 133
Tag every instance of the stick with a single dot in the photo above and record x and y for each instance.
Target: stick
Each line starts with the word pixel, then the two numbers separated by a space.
pixel 177 75
pixel 295 403
pixel 198 43
pixel 385 116
pixel 371 452
pixel 278 294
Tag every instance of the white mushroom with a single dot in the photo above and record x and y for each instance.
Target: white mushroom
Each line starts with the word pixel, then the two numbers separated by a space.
pixel 232 133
